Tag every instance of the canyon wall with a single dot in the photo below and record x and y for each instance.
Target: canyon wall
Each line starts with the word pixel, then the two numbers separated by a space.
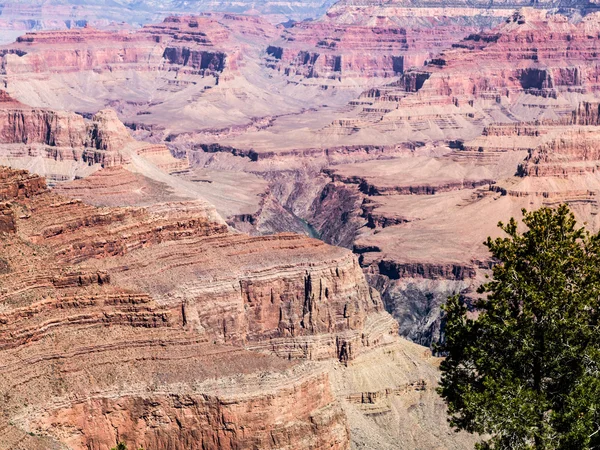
pixel 503 120
pixel 408 155
pixel 164 362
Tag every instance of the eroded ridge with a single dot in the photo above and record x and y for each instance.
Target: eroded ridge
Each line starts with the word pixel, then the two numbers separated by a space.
pixel 160 327
pixel 63 145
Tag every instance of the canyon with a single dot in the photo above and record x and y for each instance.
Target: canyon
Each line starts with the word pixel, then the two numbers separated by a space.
pixel 415 109
pixel 219 231
pixel 160 327
pixel 149 321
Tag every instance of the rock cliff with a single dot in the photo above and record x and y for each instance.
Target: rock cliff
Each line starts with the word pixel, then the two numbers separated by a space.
pixel 407 151
pixel 323 49
pixel 68 145
pixel 99 347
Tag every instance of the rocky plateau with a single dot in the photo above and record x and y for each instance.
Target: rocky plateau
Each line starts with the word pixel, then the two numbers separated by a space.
pixel 214 227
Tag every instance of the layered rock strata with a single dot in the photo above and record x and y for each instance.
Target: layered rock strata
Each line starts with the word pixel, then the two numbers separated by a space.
pixel 63 145
pixel 323 49
pixel 165 354
pixel 497 121
pixel 218 69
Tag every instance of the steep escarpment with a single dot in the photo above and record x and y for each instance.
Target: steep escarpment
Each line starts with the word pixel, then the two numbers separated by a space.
pixel 58 133
pixel 399 171
pixel 23 125
pixel 254 312
pixel 186 44
pixel 534 66
pixel 326 49
pixel 95 340
pixel 217 69
pixel 384 39
pixel 183 66
pixel 63 145
pixel 300 192
pixel 158 325
pixel 534 52
pixel 341 208
pixel 571 150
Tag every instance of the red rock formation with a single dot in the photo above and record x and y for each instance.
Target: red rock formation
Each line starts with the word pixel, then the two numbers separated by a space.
pixel 587 113
pixel 534 52
pixel 7 219
pixel 155 317
pixel 534 66
pixel 27 185
pixel 565 154
pixel 195 45
pixel 25 125
pixel 77 146
pixel 323 49
pixel 189 420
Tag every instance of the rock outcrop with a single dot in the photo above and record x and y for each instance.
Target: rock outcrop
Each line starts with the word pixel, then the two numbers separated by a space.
pixel 407 156
pixel 69 145
pixel 323 49
pixel 159 327
pixel 195 45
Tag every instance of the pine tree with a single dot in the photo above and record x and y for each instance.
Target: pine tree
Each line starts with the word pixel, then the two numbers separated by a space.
pixel 524 367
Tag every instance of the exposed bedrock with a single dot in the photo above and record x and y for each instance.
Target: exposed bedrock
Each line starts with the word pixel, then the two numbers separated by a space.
pixel 195 59
pixel 414 80
pixel 64 145
pixel 332 209
pixel 531 61
pixel 301 415
pixel 586 113
pixel 197 47
pixel 404 212
pixel 42 127
pixel 323 64
pixel 564 152
pixel 299 195
pixel 58 133
pixel 535 79
pixel 159 327
pixel 416 303
pixel 117 348
pixel 337 212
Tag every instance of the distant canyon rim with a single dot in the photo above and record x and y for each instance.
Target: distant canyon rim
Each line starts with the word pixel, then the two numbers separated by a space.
pixel 304 194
